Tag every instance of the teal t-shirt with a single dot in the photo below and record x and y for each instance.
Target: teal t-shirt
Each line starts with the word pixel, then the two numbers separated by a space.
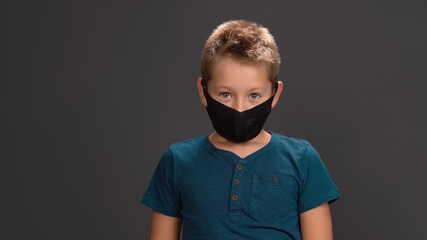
pixel 222 196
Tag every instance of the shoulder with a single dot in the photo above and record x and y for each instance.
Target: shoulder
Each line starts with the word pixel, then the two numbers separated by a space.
pixel 186 155
pixel 293 145
pixel 298 150
pixel 187 147
pixel 187 144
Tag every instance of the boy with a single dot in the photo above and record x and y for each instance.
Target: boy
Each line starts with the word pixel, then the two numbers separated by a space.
pixel 240 182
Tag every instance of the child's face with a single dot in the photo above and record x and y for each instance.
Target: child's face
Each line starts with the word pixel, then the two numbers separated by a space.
pixel 239 86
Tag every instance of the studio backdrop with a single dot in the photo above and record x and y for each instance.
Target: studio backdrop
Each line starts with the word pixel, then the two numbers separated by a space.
pixel 93 92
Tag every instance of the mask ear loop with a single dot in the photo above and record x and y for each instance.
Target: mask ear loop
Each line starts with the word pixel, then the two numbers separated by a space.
pixel 276 86
pixel 203 84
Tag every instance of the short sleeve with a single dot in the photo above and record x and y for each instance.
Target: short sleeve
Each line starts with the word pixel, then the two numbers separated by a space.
pixel 161 195
pixel 316 185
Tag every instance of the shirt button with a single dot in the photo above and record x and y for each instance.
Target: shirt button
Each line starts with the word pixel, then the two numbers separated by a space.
pixel 239 166
pixel 275 179
pixel 236 181
pixel 234 197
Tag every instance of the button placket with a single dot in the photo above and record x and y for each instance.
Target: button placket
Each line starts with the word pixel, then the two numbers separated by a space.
pixel 235 201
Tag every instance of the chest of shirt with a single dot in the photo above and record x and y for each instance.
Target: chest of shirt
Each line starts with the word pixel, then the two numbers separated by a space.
pixel 264 190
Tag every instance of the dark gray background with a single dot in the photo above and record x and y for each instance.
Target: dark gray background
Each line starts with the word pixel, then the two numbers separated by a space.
pixel 93 92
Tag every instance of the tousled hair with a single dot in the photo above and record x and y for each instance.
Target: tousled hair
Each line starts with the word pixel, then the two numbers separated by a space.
pixel 244 41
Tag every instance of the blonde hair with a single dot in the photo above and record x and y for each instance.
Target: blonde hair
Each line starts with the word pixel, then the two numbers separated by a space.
pixel 244 41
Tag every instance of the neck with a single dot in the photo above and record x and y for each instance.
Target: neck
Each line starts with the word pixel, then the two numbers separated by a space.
pixel 262 138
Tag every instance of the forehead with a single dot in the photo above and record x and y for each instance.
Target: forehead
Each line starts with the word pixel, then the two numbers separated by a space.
pixel 229 72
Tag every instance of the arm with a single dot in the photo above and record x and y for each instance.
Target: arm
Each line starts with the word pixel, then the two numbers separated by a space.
pixel 316 223
pixel 164 227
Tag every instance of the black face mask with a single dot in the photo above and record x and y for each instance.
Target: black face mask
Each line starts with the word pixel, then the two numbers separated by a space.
pixel 234 125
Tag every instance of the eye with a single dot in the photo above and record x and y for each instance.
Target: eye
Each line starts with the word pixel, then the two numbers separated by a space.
pixel 254 95
pixel 225 95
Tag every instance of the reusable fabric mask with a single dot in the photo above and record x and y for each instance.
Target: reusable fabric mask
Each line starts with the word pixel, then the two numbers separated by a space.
pixel 234 125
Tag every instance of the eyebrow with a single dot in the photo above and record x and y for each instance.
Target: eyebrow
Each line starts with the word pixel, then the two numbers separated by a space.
pixel 252 89
pixel 221 87
pixel 257 88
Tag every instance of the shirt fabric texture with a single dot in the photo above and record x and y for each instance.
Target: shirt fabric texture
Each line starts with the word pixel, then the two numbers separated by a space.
pixel 222 196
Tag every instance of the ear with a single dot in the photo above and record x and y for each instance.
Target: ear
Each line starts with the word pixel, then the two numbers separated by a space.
pixel 279 91
pixel 201 94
